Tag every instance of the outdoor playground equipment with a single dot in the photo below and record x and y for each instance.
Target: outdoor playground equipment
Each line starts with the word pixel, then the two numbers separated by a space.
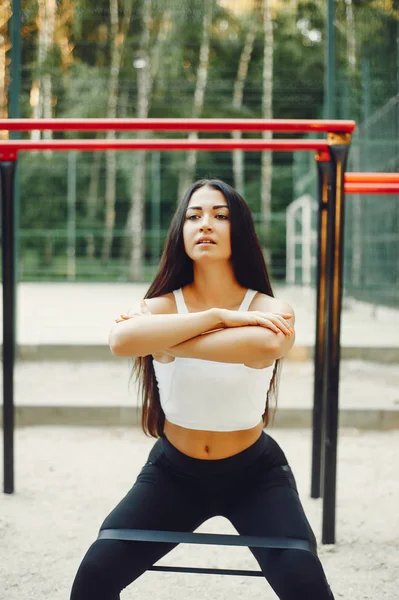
pixel 323 409
pixel 331 157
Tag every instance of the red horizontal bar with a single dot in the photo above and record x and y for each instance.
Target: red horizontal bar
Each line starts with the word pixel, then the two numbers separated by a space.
pixel 372 188
pixel 287 125
pixel 372 177
pixel 151 144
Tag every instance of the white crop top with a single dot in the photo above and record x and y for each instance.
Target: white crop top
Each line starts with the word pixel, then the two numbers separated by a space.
pixel 209 395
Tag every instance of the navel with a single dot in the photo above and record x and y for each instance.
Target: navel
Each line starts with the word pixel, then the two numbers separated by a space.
pixel 207 449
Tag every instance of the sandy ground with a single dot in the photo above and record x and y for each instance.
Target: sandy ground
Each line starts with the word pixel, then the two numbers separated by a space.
pixel 68 479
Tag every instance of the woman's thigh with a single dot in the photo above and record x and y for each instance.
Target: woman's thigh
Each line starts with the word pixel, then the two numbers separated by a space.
pixel 156 501
pixel 270 506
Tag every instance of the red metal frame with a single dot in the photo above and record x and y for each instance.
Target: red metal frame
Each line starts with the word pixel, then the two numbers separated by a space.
pixel 286 125
pixel 162 144
pixel 9 149
pixel 372 188
pixel 372 183
pixel 371 177
pixel 366 183
pixel 359 183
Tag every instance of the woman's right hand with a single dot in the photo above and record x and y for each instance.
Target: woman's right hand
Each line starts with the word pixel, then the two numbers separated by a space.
pixel 276 322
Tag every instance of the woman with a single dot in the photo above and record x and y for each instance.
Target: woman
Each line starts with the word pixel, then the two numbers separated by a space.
pixel 208 340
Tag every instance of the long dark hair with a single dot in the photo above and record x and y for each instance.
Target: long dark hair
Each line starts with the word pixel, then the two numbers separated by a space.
pixel 176 271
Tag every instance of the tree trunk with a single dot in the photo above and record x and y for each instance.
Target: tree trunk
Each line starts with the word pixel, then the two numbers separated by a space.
pixel 188 172
pixel 238 155
pixel 350 36
pixel 118 36
pixel 41 92
pixel 267 113
pixel 135 227
pixel 135 221
pixel 5 15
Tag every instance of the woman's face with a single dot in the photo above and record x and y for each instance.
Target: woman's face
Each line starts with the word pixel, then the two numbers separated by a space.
pixel 207 215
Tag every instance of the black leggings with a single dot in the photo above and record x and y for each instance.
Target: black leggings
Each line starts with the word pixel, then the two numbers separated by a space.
pixel 254 489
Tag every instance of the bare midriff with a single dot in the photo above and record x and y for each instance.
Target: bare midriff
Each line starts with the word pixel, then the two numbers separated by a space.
pixel 211 445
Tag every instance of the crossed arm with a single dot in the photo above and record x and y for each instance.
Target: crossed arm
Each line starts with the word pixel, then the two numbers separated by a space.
pixel 251 345
pixel 254 346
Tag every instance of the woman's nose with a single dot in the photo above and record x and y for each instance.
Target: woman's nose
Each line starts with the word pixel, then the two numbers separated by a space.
pixel 206 222
pixel 205 225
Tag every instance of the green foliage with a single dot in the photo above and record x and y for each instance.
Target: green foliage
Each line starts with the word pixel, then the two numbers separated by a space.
pixel 81 90
pixel 85 92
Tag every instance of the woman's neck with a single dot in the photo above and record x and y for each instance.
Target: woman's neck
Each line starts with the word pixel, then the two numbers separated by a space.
pixel 219 291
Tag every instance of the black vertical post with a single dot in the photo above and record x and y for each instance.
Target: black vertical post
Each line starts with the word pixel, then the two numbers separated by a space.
pixel 323 168
pixel 7 171
pixel 339 155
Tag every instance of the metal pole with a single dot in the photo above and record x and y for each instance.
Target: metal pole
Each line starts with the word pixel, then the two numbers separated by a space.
pixel 329 68
pixel 397 56
pixel 364 140
pixel 71 222
pixel 7 170
pixel 323 167
pixel 155 206
pixel 335 239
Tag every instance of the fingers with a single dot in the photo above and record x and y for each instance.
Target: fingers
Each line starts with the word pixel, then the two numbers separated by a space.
pixel 284 326
pixel 144 311
pixel 270 325
pixel 282 329
pixel 280 319
pixel 277 325
pixel 122 318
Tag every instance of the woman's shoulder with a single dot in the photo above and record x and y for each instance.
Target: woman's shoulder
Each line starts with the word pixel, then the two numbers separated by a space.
pixel 166 304
pixel 267 303
pixel 162 305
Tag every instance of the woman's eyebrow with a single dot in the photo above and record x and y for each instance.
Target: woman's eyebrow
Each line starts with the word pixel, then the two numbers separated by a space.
pixel 214 207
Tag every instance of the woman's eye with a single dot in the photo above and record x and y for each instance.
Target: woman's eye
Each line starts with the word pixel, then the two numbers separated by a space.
pixel 191 217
